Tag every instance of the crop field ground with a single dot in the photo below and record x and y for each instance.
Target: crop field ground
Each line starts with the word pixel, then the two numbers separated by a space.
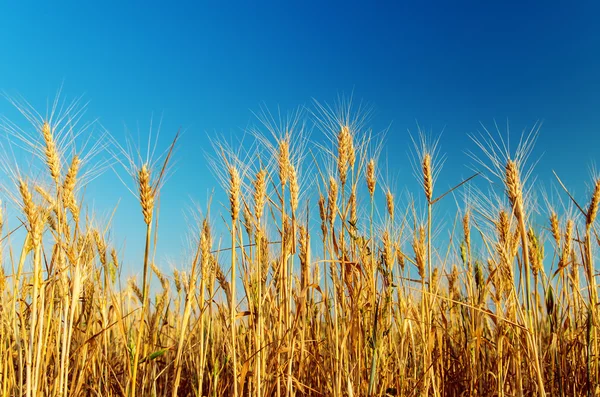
pixel 315 281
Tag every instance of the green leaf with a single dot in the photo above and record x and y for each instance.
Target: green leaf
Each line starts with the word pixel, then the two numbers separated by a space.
pixel 154 356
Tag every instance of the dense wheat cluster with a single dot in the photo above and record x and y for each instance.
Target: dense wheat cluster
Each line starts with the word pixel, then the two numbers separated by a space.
pixel 320 280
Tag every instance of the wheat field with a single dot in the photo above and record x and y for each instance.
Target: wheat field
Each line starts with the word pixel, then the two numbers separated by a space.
pixel 318 278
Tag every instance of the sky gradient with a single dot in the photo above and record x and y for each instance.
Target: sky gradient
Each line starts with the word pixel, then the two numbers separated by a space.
pixel 205 66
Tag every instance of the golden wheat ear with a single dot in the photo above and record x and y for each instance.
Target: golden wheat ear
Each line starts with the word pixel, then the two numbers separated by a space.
pixel 371 179
pixel 52 156
pixel 594 202
pixel 146 193
pixel 389 201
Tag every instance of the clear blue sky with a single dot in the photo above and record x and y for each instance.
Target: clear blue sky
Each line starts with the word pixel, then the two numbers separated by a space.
pixel 205 65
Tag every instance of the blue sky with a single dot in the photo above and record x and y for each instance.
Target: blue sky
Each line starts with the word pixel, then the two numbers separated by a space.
pixel 204 66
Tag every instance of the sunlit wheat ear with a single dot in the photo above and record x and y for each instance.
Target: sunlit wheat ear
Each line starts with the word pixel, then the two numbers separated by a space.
pixel 146 193
pixel 60 132
pixel 286 149
pixel 294 188
pixel 68 187
pixel 164 282
pixel 263 242
pixel 555 227
pixel 135 289
pixel 427 177
pixel 231 171
pixel 504 245
pixel 593 207
pixel 343 124
pixel 567 245
pixel 52 157
pixel 418 245
pixel 503 228
pixel 304 255
pixel 400 255
pixel 53 222
pixel 515 242
pixel 205 246
pixel 184 277
pixel 389 201
pixel 100 247
pixel 574 274
pixel 371 179
pixel 222 280
pixel 234 192
pixel 351 152
pixel 499 278
pixel 284 162
pixel 273 129
pixel 323 214
pixel 332 201
pixel 512 181
pixel 426 161
pixel 388 255
pixel 52 134
pixel 177 280
pixel 467 228
pixel 45 195
pixel 435 277
pixel 115 265
pixel 71 253
pixel 322 208
pixel 260 193
pixel 508 165
pixel 453 287
pixel 345 152
pixel 247 220
pixel 37 228
pixel 536 252
pixel 28 204
pixel 148 169
pixel 478 275
pixel 288 236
